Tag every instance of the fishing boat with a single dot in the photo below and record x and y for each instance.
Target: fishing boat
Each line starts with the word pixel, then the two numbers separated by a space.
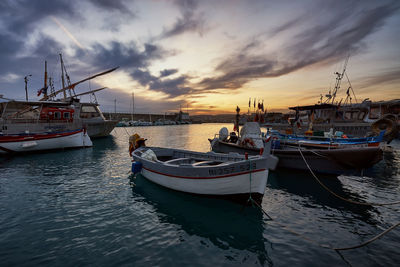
pixel 328 142
pixel 40 125
pixel 28 142
pixel 322 160
pixel 359 118
pixel 91 116
pixel 210 174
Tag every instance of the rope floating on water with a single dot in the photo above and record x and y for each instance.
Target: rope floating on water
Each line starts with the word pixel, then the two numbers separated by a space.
pixel 372 239
pixel 337 249
pixel 325 245
pixel 340 197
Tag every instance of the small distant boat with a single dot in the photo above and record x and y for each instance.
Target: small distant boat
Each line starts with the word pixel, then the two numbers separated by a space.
pixel 28 142
pixel 212 174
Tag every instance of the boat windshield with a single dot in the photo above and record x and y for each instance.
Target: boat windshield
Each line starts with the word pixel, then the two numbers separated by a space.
pixel 89 112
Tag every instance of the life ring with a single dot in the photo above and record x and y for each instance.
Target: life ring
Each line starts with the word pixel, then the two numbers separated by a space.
pixel 384 124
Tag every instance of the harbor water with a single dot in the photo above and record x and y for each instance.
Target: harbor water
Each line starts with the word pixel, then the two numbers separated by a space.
pixel 82 207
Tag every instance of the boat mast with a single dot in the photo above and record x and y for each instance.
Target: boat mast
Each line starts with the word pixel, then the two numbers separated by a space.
pixel 26 86
pixel 133 105
pixel 339 79
pixel 62 76
pixel 45 78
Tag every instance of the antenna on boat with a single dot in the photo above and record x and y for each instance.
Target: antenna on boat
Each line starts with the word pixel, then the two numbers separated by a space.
pixel 26 85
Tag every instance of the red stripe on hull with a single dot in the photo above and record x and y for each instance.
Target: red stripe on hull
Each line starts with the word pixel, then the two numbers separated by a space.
pixel 215 177
pixel 7 139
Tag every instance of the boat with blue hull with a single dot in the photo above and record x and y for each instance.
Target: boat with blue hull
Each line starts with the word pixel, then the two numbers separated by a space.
pixel 330 160
pixel 328 142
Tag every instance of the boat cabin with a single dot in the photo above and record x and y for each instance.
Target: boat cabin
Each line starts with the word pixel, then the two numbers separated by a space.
pixel 90 110
pixel 56 113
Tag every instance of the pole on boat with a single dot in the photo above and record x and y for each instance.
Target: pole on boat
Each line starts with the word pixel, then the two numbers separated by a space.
pixel 237 119
pixel 133 105
pixel 62 76
pixel 26 85
pixel 45 79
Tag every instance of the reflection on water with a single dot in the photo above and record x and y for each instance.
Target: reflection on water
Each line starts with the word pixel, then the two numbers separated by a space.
pixel 305 186
pixel 225 224
pixel 77 207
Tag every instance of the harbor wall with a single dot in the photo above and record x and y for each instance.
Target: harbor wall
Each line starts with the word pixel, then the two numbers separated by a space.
pixel 136 117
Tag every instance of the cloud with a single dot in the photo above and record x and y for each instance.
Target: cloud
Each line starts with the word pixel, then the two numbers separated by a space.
pixel 385 77
pixel 10 49
pixel 136 61
pixel 142 104
pixel 329 41
pixel 127 55
pixel 168 72
pixel 113 5
pixel 190 21
pixel 21 17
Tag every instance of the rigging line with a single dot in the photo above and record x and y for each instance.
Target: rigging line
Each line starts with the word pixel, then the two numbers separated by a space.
pixel 324 245
pixel 351 87
pixel 340 197
pixel 371 240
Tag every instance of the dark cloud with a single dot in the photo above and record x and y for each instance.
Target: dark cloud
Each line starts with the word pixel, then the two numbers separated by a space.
pixel 172 87
pixel 21 17
pixel 136 61
pixel 112 5
pixel 126 55
pixel 167 72
pixel 10 49
pixel 328 41
pixel 190 20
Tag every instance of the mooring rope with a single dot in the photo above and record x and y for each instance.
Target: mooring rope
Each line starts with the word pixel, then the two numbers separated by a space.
pixel 250 198
pixel 325 245
pixel 340 197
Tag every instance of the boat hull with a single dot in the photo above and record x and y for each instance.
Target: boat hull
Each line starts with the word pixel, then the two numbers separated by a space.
pixel 208 174
pixel 100 128
pixel 333 161
pixel 41 142
pixel 219 185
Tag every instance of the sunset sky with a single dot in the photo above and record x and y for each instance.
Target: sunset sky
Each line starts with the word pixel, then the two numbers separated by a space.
pixel 207 56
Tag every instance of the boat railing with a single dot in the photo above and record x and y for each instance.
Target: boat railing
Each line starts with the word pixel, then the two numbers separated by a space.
pixel 23 120
pixel 263 138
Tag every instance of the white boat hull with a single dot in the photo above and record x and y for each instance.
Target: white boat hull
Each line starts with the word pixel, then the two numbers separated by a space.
pixel 254 182
pixel 61 141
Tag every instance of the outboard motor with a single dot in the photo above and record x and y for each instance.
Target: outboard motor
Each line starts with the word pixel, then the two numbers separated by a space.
pixel 136 167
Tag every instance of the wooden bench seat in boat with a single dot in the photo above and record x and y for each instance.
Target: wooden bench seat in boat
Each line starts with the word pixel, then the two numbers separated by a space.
pixel 177 161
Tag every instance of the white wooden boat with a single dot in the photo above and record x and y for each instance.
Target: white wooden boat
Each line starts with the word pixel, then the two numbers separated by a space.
pixel 224 175
pixel 20 143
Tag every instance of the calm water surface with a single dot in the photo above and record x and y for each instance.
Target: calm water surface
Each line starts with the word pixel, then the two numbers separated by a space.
pixel 81 207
